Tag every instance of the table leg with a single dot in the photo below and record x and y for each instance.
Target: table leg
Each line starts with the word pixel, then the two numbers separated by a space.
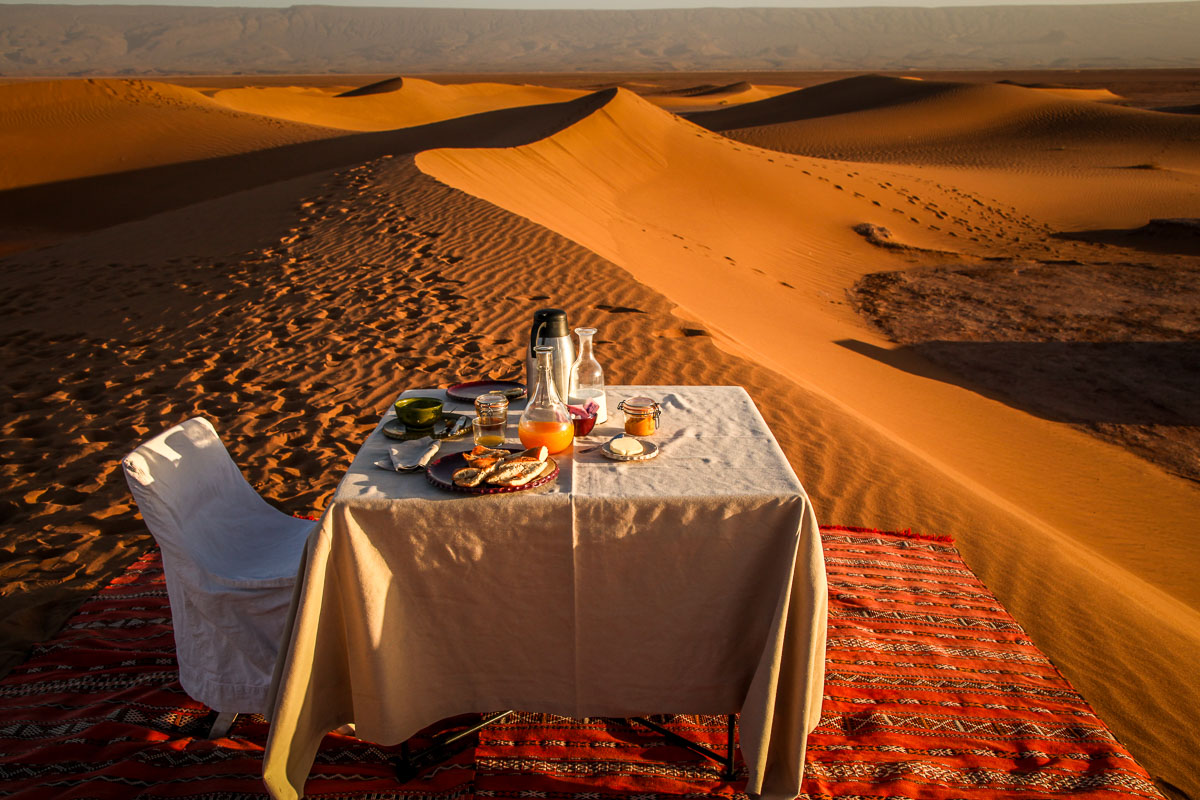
pixel 221 723
pixel 409 765
pixel 726 761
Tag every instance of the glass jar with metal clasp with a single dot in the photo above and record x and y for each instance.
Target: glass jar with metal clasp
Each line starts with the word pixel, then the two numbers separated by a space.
pixel 641 415
pixel 491 418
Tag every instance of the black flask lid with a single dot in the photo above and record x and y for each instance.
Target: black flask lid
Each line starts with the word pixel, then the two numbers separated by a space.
pixel 548 323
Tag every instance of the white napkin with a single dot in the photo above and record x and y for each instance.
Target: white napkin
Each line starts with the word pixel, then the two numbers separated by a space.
pixel 410 455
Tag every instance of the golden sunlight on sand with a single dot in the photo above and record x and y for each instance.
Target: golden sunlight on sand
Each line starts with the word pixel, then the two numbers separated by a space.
pixel 285 259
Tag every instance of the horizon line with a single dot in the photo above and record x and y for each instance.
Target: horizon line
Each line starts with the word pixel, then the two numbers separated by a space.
pixel 563 5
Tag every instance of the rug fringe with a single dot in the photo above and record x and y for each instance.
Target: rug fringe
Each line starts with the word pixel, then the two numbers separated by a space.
pixel 907 533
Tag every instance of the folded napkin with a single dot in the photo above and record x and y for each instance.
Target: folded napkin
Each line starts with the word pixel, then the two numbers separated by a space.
pixel 410 455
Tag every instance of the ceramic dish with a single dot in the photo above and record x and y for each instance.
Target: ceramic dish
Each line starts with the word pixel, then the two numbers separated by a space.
pixel 440 473
pixel 395 429
pixel 649 451
pixel 467 392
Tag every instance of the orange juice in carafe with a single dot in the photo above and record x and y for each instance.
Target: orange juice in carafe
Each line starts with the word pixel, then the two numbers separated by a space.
pixel 556 436
pixel 546 419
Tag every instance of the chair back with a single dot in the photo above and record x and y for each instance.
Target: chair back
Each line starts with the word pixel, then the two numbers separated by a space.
pixel 185 484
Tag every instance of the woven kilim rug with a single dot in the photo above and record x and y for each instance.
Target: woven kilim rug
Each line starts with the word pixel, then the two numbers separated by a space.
pixel 932 691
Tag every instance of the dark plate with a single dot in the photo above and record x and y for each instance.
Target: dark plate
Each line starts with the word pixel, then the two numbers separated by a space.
pixel 395 429
pixel 467 392
pixel 440 473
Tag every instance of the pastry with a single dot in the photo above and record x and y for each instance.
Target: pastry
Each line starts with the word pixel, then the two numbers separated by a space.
pixel 469 476
pixel 484 457
pixel 516 473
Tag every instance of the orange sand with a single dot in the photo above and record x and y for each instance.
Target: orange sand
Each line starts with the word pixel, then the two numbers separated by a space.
pixel 331 251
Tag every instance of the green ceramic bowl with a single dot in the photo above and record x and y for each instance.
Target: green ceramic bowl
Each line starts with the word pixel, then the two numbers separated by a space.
pixel 419 412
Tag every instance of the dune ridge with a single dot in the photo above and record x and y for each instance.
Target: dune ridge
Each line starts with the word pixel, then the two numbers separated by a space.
pixel 708 97
pixel 396 103
pixel 51 207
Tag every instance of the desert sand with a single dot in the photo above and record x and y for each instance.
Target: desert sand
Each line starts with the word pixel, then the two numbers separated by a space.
pixel 284 260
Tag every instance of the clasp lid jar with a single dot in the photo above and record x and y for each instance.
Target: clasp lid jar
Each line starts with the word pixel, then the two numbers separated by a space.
pixel 641 415
pixel 491 406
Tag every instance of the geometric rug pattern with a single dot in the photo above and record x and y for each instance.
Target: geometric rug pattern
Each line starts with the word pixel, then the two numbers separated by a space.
pixel 932 691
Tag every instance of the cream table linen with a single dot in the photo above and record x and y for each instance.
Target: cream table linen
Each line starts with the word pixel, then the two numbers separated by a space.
pixel 693 583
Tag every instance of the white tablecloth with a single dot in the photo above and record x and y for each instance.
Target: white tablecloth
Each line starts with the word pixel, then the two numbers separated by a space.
pixel 693 583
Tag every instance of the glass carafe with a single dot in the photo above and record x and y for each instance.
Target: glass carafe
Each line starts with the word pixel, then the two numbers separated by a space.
pixel 546 419
pixel 587 378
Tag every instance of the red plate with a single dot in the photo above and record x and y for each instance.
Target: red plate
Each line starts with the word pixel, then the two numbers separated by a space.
pixel 467 392
pixel 440 473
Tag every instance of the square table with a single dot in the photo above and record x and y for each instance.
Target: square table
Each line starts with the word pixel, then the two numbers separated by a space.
pixel 691 583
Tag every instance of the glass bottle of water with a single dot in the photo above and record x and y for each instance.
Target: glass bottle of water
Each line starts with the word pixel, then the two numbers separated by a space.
pixel 587 378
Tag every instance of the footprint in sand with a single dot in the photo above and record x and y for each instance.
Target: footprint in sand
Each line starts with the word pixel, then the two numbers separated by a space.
pixel 620 309
pixel 683 333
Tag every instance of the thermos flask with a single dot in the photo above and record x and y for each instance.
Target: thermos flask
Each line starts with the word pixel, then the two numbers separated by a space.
pixel 550 330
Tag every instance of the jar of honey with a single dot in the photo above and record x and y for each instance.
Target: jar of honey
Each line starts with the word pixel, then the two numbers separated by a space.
pixel 641 416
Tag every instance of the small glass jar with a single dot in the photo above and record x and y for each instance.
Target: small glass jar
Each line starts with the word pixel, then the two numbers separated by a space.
pixel 641 416
pixel 491 406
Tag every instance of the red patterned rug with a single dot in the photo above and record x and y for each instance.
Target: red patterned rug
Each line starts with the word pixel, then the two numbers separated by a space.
pixel 932 691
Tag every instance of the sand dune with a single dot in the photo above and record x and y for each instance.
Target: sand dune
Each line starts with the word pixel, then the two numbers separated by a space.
pixel 287 275
pixel 45 212
pixel 876 118
pixel 709 97
pixel 93 127
pixel 98 127
pixel 1073 92
pixel 762 260
pixel 1076 165
pixel 397 103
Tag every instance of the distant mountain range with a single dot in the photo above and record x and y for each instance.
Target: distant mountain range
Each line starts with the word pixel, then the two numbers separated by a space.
pixel 162 40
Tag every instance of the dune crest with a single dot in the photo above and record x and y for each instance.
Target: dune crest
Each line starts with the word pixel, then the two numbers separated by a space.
pixel 387 105
pixel 708 97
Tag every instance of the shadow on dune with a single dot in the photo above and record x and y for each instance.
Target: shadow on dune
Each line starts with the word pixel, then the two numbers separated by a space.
pixel 86 204
pixel 706 89
pixel 1139 395
pixel 1181 237
pixel 1131 383
pixel 1192 109
pixel 845 96
pixel 379 87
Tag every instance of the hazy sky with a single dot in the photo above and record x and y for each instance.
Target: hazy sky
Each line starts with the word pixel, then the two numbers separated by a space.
pixel 593 4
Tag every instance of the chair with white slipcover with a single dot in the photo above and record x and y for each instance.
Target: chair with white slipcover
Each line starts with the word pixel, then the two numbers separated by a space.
pixel 230 561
